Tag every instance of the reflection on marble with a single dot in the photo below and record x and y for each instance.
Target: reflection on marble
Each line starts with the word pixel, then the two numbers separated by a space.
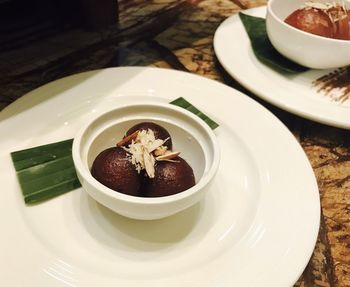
pixel 178 35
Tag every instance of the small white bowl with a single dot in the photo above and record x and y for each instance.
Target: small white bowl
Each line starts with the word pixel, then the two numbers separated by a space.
pixel 301 47
pixel 190 135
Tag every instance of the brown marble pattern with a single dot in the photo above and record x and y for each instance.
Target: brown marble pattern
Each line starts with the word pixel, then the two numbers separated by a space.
pixel 335 85
pixel 178 35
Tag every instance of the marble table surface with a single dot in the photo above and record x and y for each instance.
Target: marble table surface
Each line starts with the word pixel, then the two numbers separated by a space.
pixel 179 35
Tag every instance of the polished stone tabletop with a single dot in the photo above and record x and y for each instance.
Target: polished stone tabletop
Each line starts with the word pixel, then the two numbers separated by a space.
pixel 179 35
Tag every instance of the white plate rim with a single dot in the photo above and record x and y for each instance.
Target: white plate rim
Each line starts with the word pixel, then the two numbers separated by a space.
pixel 234 52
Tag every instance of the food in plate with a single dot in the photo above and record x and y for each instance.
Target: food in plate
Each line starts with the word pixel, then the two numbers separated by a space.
pixel 112 169
pixel 159 132
pixel 143 164
pixel 171 177
pixel 331 20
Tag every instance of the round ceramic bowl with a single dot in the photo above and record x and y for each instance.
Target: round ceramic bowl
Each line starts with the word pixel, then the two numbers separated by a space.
pixel 306 49
pixel 190 135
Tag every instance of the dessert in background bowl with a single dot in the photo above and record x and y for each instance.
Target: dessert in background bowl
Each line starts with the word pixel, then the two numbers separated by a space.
pixel 314 34
pixel 331 20
pixel 108 153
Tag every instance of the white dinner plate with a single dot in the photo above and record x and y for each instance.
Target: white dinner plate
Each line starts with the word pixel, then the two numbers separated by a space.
pixel 296 94
pixel 256 227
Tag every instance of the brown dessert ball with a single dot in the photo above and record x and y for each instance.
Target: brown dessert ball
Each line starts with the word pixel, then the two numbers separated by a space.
pixel 170 178
pixel 113 169
pixel 342 25
pixel 159 132
pixel 314 21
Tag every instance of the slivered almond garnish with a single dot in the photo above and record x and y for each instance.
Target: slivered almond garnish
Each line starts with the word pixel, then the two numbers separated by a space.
pixel 168 156
pixel 141 149
pixel 144 150
pixel 334 15
pixel 152 146
pixel 149 164
pixel 128 139
pixel 160 151
pixel 319 5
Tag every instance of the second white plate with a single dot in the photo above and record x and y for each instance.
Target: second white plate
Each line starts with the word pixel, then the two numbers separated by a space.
pixel 295 94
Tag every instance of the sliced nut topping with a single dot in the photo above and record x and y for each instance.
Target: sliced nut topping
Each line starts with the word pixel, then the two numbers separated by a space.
pixel 144 149
pixel 149 164
pixel 319 5
pixel 154 145
pixel 168 156
pixel 128 139
pixel 326 6
pixel 160 151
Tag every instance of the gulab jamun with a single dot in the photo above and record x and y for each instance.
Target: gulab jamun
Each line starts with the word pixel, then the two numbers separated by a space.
pixel 314 21
pixel 342 25
pixel 142 165
pixel 322 19
pixel 171 177
pixel 113 169
pixel 159 132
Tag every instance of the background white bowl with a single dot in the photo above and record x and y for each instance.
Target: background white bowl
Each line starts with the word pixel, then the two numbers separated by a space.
pixel 301 47
pixel 190 135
